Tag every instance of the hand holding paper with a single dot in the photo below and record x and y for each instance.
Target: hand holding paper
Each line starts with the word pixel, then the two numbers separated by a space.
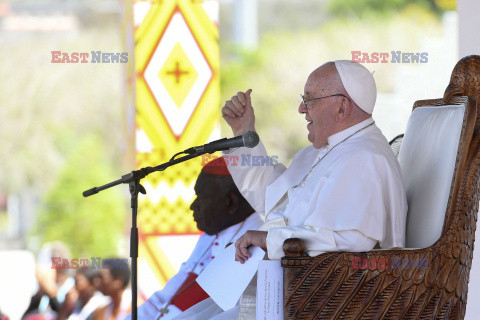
pixel 225 279
pixel 250 238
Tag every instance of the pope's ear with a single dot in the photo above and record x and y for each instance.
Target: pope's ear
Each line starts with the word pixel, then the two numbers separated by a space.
pixel 344 109
pixel 232 201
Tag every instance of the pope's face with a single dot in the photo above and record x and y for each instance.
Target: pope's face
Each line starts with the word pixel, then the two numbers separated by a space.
pixel 320 115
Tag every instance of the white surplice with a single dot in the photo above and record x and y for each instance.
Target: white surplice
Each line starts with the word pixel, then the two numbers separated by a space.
pixel 352 199
pixel 203 253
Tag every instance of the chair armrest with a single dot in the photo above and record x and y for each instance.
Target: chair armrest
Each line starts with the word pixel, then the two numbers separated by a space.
pixel 386 284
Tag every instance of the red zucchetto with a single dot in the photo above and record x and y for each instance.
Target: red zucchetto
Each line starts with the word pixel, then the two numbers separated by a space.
pixel 216 167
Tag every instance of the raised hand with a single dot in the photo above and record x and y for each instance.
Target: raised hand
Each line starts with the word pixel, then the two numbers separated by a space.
pixel 238 112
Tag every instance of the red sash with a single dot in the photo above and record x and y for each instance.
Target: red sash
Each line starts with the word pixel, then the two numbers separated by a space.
pixel 190 293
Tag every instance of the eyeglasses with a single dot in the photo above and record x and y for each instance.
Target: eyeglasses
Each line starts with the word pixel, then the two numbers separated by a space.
pixel 308 100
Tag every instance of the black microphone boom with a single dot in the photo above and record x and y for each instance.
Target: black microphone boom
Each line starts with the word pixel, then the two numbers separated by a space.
pixel 249 139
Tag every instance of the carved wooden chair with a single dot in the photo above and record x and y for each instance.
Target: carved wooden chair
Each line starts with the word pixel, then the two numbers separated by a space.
pixel 440 160
pixel 395 144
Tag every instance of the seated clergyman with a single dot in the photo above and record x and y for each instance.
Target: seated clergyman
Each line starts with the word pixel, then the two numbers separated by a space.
pixel 345 191
pixel 222 213
pixel 342 193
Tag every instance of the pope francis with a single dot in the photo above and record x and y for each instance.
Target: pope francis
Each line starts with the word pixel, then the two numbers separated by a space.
pixel 343 192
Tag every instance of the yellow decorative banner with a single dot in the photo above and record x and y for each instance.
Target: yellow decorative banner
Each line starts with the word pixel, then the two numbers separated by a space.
pixel 177 107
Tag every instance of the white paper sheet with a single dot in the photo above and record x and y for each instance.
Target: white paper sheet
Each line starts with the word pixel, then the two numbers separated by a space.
pixel 225 279
pixel 270 290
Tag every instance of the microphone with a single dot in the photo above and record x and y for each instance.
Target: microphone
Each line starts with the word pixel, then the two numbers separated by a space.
pixel 249 139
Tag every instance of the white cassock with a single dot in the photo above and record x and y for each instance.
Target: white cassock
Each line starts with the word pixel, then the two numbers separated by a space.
pixel 203 253
pixel 352 198
pixel 346 196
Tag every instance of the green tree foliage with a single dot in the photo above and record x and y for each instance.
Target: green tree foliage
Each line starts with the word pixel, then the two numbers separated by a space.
pixel 88 226
pixel 370 8
pixel 46 110
pixel 44 113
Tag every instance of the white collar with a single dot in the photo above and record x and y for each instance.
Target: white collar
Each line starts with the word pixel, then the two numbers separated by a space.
pixel 336 138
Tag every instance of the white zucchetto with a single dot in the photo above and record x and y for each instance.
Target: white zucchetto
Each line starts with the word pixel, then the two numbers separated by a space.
pixel 359 83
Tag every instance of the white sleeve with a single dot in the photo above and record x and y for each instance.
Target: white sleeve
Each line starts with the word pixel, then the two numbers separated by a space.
pixel 317 240
pixel 252 170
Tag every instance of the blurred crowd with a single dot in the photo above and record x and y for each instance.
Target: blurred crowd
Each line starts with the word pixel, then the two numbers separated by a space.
pixel 75 294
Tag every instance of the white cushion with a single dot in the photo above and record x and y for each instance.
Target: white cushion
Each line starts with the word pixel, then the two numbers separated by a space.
pixel 427 158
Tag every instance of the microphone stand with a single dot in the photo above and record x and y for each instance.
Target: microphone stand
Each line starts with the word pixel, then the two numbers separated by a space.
pixel 133 180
